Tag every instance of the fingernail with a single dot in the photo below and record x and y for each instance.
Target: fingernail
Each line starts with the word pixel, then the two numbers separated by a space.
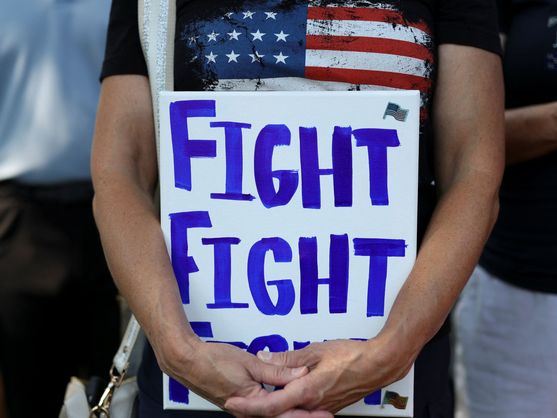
pixel 298 371
pixel 264 355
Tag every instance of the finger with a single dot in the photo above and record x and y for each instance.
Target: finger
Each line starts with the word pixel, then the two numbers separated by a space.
pixel 297 358
pixel 277 375
pixel 272 404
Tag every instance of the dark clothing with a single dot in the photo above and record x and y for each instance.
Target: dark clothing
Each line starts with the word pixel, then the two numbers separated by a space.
pixel 522 249
pixel 58 311
pixel 272 45
pixel 429 22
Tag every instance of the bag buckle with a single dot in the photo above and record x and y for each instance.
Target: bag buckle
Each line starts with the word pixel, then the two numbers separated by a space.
pixel 102 409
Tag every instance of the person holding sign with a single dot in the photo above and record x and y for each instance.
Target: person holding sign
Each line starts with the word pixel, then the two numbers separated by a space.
pixel 446 50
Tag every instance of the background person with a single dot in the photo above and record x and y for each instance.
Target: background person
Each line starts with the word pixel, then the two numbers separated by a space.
pixel 448 51
pixel 506 316
pixel 58 312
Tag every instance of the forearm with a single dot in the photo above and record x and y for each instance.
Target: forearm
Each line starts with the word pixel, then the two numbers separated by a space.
pixel 469 161
pixel 462 221
pixel 124 172
pixel 530 132
pixel 138 259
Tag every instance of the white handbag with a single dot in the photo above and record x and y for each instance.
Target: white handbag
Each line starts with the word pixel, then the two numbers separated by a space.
pixel 123 403
pixel 157 21
pixel 119 399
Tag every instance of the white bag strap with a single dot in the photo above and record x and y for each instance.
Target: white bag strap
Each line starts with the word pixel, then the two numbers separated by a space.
pixel 121 360
pixel 157 25
pixel 157 22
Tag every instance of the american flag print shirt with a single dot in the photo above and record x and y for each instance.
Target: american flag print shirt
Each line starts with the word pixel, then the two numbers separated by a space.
pixel 303 45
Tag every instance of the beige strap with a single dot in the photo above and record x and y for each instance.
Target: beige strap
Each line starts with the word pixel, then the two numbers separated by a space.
pixel 157 25
pixel 122 358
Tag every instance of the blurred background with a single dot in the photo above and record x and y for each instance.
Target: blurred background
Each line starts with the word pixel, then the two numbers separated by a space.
pixel 59 316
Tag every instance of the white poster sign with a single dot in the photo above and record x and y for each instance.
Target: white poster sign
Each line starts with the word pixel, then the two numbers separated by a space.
pixel 290 217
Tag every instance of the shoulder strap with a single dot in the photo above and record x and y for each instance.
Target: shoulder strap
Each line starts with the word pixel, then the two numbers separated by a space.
pixel 157 23
pixel 121 360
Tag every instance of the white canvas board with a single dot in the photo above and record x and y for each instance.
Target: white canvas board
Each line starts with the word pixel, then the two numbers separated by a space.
pixel 251 227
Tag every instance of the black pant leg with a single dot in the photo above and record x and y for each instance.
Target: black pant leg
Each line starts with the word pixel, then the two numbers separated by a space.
pixel 433 394
pixel 58 312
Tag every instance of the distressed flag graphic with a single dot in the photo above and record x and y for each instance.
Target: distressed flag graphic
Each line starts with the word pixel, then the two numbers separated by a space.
pixel 340 47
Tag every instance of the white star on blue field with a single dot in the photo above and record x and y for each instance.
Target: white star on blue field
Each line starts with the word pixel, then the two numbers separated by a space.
pixel 263 41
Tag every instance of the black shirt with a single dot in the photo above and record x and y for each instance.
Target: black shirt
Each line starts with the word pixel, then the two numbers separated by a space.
pixel 295 44
pixel 522 249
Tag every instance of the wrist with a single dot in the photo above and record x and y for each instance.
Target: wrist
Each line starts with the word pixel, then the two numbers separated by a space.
pixel 176 352
pixel 168 329
pixel 173 343
pixel 396 345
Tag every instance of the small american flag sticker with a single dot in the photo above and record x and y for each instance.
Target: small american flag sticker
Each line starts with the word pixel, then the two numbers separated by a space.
pixel 396 112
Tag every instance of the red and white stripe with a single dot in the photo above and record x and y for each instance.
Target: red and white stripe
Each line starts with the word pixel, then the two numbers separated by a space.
pixel 367 46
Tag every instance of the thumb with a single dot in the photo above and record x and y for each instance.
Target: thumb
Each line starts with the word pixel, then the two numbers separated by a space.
pixel 285 358
pixel 278 375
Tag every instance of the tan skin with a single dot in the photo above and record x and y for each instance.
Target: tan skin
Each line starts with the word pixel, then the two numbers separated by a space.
pixel 468 115
pixel 531 132
pixel 124 170
pixel 469 130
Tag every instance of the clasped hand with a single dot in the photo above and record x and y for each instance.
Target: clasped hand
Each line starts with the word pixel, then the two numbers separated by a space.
pixel 219 372
pixel 318 381
pixel 341 372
